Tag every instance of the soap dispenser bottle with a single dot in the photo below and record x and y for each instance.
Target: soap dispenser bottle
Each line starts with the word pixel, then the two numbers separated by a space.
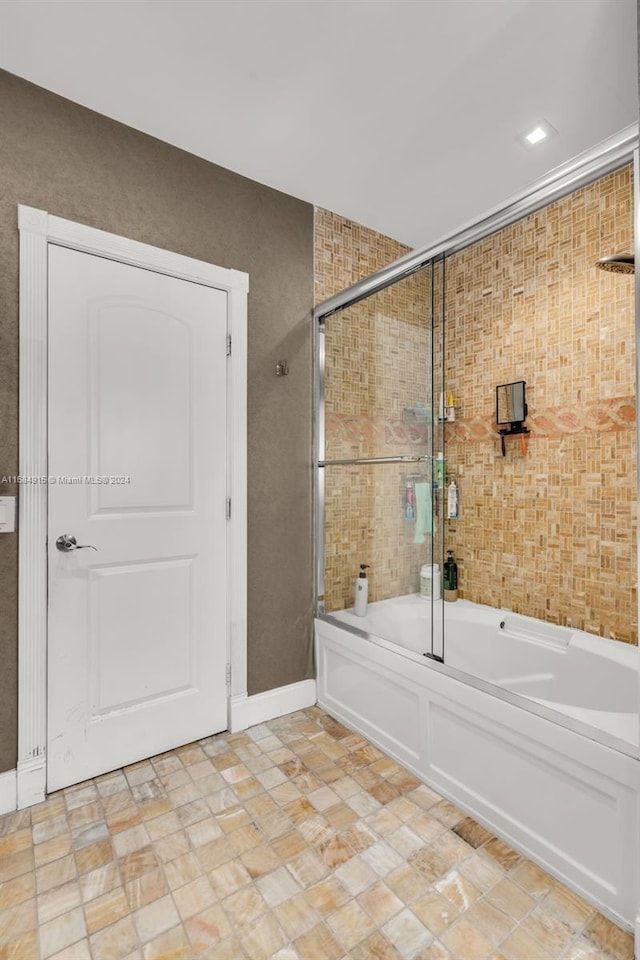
pixel 362 591
pixel 450 578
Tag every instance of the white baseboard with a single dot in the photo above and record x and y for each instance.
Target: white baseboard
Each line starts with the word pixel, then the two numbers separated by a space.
pixel 245 711
pixel 31 781
pixel 8 792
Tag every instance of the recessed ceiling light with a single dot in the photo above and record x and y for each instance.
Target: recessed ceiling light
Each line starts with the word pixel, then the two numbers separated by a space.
pixel 541 131
pixel 536 135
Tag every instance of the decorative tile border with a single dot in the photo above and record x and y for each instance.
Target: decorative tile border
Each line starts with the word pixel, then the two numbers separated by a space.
pixel 618 413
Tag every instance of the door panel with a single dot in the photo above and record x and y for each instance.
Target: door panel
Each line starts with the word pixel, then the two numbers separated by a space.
pixel 142 405
pixel 138 628
pixel 135 612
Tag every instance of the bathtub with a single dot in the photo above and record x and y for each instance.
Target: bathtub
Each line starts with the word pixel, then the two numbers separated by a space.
pixel 529 727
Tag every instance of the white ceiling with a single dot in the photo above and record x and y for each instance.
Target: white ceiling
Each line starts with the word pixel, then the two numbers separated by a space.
pixel 401 114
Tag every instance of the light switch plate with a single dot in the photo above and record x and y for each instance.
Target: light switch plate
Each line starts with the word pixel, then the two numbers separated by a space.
pixel 7 514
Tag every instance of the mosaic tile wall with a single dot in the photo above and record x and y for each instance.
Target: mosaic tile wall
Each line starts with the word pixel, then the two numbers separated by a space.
pixel 552 534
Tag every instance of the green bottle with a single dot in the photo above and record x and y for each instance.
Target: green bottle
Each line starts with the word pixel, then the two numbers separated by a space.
pixel 450 577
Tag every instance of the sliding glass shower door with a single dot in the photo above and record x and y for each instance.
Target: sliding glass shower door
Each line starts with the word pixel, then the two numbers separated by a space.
pixel 381 429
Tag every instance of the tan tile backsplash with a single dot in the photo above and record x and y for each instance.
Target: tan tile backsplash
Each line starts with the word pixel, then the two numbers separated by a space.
pixel 551 533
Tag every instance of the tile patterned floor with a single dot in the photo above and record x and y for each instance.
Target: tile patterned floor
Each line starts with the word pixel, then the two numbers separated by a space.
pixel 295 840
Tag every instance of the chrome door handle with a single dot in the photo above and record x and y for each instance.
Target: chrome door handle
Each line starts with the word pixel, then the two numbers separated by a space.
pixel 67 543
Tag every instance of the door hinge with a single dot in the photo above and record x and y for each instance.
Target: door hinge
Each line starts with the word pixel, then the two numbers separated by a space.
pixel 228 508
pixel 227 675
pixel 228 344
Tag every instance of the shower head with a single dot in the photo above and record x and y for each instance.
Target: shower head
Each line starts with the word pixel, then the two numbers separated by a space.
pixel 618 263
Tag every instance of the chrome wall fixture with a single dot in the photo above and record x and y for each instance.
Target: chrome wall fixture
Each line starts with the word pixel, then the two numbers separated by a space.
pixel 607 156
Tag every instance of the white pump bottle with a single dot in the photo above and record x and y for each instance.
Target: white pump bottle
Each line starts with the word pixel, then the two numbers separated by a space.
pixel 361 592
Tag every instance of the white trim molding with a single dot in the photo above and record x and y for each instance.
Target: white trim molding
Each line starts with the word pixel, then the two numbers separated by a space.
pixel 32 499
pixel 38 229
pixel 248 711
pixel 8 792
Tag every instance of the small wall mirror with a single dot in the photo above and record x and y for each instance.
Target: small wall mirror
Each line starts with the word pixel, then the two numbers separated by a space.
pixel 511 405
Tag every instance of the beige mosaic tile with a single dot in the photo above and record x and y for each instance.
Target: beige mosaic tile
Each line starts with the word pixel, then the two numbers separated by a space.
pixel 419 880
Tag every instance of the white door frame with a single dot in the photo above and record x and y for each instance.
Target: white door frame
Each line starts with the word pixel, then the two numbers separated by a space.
pixel 38 229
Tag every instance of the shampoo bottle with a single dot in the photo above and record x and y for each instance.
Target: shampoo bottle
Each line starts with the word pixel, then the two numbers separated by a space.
pixel 452 501
pixel 439 470
pixel 362 592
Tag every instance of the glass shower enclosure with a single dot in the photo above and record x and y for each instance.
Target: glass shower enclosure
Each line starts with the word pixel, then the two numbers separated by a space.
pixel 381 413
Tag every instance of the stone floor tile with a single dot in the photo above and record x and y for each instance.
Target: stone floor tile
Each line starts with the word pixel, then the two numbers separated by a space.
pixel 308 868
pixel 22 948
pixel 61 932
pixel 102 911
pixel 582 949
pixel 55 874
pixel 603 934
pixel 19 840
pixel 262 939
pixel 18 920
pixel 171 847
pixel 75 951
pixel 80 794
pixel 472 833
pixel 327 896
pixel 376 947
pixel 116 941
pixel 456 888
pixel 230 877
pixel 244 906
pixel 380 903
pixel 356 875
pixel 96 855
pixel 297 915
pixel 172 945
pixel 155 918
pixel 509 898
pixel 278 886
pixel 482 871
pixel 407 934
pixel 318 942
pixel 17 890
pixel 491 922
pixel 568 906
pixel 462 939
pixel 296 840
pixel 16 864
pixel 194 897
pixel 146 888
pixel 207 929
pixel 435 912
pixel 51 850
pixel 350 924
pixel 532 879
pixel 99 881
pixel 551 932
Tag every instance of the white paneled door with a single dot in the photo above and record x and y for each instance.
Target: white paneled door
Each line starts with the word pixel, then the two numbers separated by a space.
pixel 137 627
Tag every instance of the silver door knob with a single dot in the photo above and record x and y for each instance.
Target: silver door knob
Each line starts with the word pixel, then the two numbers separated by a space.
pixel 67 543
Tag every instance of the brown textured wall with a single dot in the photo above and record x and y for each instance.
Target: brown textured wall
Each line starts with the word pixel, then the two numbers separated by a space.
pixel 82 166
